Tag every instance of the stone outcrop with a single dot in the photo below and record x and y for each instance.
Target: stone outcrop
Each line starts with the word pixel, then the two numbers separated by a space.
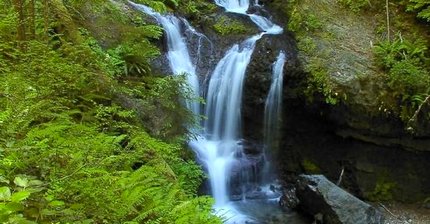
pixel 332 205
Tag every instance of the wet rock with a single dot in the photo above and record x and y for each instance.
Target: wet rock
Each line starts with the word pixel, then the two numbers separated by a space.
pixel 289 198
pixel 246 173
pixel 318 195
pixel 251 147
pixel 258 79
pixel 426 203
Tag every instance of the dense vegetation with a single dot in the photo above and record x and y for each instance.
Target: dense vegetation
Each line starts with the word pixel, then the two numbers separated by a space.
pixel 89 134
pixel 402 52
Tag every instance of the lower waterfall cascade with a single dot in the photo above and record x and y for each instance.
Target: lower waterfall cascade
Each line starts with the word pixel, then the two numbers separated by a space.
pixel 236 181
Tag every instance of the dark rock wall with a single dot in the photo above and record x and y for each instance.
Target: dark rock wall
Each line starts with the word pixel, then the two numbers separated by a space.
pixel 371 171
pixel 381 161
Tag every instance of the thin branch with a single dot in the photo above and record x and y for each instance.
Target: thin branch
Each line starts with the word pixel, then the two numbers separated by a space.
pixel 388 19
pixel 414 117
pixel 340 176
pixel 392 214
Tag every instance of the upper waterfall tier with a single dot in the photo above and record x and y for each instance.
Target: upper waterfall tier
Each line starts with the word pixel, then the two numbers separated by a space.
pixel 178 54
pixel 237 6
pixel 242 6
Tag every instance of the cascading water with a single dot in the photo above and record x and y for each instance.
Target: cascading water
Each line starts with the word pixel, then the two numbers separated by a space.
pixel 237 6
pixel 242 6
pixel 178 54
pixel 219 147
pixel 273 109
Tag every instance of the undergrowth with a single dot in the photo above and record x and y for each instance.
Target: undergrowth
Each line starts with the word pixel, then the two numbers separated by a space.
pixel 90 134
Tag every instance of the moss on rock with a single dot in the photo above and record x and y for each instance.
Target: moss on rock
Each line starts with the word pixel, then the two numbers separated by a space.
pixel 228 26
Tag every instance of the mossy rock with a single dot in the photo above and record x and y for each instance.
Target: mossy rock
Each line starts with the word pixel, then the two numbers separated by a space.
pixel 310 167
pixel 228 26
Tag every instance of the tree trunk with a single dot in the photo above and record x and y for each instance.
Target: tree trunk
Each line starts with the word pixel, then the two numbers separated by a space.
pixel 46 19
pixel 32 19
pixel 19 8
pixel 388 19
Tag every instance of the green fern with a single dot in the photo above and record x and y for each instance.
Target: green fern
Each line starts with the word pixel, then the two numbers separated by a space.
pixel 422 7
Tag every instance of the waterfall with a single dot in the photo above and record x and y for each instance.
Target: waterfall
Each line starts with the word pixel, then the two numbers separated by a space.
pixel 219 148
pixel 273 109
pixel 242 6
pixel 237 6
pixel 178 55
pixel 224 95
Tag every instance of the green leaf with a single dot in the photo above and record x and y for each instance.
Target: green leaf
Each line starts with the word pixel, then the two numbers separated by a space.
pixel 5 193
pixel 56 203
pixel 3 180
pixel 35 183
pixel 14 206
pixel 20 196
pixel 20 220
pixel 21 182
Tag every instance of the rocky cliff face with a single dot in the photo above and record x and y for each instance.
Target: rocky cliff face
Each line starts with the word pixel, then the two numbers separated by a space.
pixel 381 160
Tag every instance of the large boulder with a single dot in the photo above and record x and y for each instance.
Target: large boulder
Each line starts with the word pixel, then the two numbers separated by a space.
pixel 320 197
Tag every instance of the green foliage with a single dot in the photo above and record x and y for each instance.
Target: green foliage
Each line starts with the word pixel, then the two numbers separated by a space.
pixel 390 52
pixel 355 5
pixel 74 123
pixel 156 5
pixel 14 197
pixel 319 82
pixel 406 63
pixel 383 191
pixel 196 9
pixel 301 23
pixel 227 26
pixel 310 167
pixel 422 7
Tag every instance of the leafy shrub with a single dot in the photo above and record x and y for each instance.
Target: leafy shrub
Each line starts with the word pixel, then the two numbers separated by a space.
pixel 422 7
pixel 406 63
pixel 355 5
pixel 196 9
pixel 74 148
pixel 383 191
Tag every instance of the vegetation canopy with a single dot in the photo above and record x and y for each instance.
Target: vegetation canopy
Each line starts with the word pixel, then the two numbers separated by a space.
pixel 88 132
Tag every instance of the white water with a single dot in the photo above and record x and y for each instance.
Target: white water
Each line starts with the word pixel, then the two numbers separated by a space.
pixel 224 94
pixel 273 104
pixel 219 147
pixel 241 6
pixel 272 111
pixel 179 59
pixel 237 6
